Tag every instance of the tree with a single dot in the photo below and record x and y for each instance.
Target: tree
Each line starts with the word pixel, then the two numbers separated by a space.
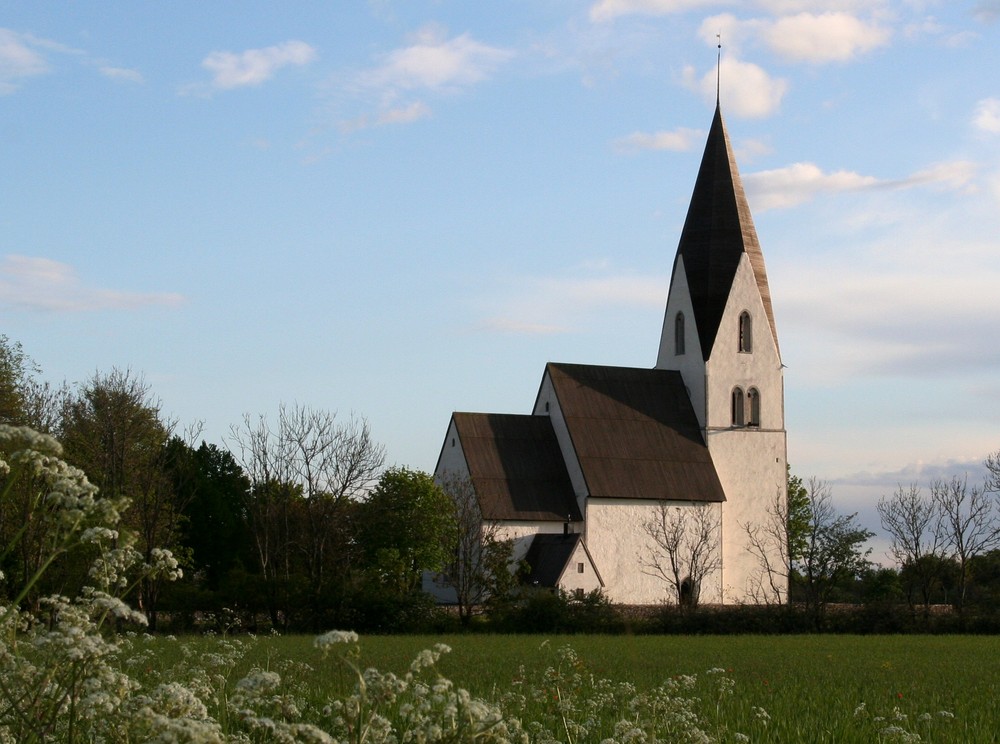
pixel 834 552
pixel 480 567
pixel 405 526
pixel 914 525
pixel 768 541
pixel 798 517
pixel 970 525
pixel 304 475
pixel 686 548
pixel 16 369
pixel 214 491
pixel 778 541
pixel 113 429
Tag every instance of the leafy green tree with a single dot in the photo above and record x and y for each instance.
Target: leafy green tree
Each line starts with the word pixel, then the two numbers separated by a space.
pixel 16 369
pixel 798 515
pixel 834 554
pixel 213 491
pixel 113 429
pixel 778 539
pixel 405 527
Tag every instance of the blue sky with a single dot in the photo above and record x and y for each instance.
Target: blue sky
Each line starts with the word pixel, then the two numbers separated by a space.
pixel 400 209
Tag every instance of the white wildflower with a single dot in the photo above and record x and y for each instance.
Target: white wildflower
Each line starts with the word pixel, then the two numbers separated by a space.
pixel 332 637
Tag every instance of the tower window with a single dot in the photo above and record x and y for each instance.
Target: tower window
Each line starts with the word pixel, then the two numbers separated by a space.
pixel 737 405
pixel 746 333
pixel 679 334
pixel 753 396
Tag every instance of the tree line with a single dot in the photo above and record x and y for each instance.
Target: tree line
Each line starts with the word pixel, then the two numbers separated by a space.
pixel 299 524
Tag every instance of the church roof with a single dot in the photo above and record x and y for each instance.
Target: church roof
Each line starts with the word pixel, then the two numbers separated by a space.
pixel 635 433
pixel 547 557
pixel 516 467
pixel 717 232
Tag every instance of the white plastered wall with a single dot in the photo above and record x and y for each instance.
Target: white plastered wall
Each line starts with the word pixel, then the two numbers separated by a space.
pixel 573 579
pixel 750 461
pixel 619 545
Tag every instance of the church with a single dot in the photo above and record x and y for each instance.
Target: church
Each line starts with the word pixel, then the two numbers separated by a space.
pixel 648 483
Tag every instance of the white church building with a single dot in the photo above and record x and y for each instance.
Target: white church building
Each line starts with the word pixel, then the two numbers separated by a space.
pixel 576 481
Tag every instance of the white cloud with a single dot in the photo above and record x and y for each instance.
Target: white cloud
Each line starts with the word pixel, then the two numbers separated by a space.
pixel 608 10
pixel 255 66
pixel 398 115
pixel 18 60
pixel 41 284
pixel 828 37
pixel 435 62
pixel 802 182
pixel 788 7
pixel 987 117
pixel 798 183
pixel 679 140
pixel 746 89
pixel 432 63
pixel 804 37
pixel 121 73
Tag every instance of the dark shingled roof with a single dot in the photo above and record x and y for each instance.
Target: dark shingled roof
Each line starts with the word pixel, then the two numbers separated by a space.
pixel 635 433
pixel 547 557
pixel 516 467
pixel 717 232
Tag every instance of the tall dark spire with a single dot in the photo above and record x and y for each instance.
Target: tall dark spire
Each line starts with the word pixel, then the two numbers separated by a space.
pixel 717 232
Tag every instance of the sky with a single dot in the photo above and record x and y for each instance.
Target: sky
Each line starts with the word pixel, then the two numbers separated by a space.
pixel 394 210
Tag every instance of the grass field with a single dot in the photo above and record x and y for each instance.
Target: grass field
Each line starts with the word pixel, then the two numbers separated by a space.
pixel 941 688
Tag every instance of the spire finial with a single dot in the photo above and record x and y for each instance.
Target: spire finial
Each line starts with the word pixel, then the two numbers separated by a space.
pixel 718 68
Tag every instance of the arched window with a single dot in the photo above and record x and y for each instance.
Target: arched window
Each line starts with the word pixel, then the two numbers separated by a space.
pixel 679 334
pixel 746 333
pixel 753 396
pixel 738 419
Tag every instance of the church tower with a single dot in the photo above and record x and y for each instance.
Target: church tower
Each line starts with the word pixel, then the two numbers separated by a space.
pixel 719 333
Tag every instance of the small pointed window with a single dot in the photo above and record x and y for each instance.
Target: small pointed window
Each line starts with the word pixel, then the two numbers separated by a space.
pixel 679 334
pixel 738 415
pixel 746 333
pixel 753 397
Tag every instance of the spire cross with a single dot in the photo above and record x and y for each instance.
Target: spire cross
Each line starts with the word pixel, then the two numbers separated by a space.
pixel 718 69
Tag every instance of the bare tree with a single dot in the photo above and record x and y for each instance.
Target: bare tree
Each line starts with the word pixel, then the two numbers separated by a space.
pixel 480 566
pixel 992 464
pixel 304 473
pixel 768 542
pixel 914 525
pixel 686 548
pixel 970 523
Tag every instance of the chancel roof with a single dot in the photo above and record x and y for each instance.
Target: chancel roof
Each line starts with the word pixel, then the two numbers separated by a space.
pixel 717 232
pixel 516 467
pixel 635 433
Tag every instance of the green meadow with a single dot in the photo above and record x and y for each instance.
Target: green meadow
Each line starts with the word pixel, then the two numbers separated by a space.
pixel 816 688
